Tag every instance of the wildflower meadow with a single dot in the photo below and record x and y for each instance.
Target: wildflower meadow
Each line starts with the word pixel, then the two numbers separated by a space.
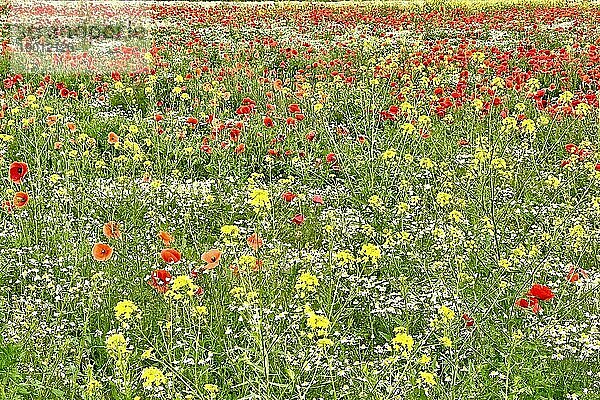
pixel 300 200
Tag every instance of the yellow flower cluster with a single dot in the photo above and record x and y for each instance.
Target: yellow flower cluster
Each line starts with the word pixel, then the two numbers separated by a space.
pixel 371 252
pixel 259 198
pixel 125 309
pixel 153 376
pixel 402 340
pixel 182 284
pixel 307 283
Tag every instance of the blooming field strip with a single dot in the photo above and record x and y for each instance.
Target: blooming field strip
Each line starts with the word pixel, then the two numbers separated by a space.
pixel 299 201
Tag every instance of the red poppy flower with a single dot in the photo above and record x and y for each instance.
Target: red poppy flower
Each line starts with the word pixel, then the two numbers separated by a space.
pixel 468 320
pixel 240 148
pixel 330 158
pixel 294 108
pixel 529 303
pixel 102 252
pixel 288 196
pixel 575 274
pixel 21 199
pixel 268 121
pixel 17 171
pixel 540 292
pixel 317 199
pixel 298 219
pixel 192 120
pixel 571 148
pixel 170 256
pixel 160 280
pixel 7 206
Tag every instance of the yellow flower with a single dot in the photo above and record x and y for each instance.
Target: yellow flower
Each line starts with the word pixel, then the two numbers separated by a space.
pixel 499 163
pixel 371 251
pixel 153 376
pixel 426 163
pixel 182 283
pixel 147 354
pixel 455 215
pixel 230 230
pixel 446 341
pixel 251 297
pixel 319 323
pixel 447 313
pixel 424 120
pixel 577 231
pixel 116 345
pixel 307 283
pixel 389 154
pixel 403 207
pixel 402 340
pixel 201 310
pixel 237 292
pixel 425 359
pixel 443 199
pixel 259 198
pixel 427 377
pixel 92 386
pixel 211 388
pixel 552 182
pixel 375 201
pixel 324 342
pixel 565 97
pixel 407 127
pixel 344 257
pixel 528 125
pixel 125 309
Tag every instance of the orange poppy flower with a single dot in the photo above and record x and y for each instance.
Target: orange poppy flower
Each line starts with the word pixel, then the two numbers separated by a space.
pixel 211 258
pixel 170 256
pixel 111 230
pixel 71 126
pixel 102 252
pixel 166 238
pixel 254 241
pixel 113 138
pixel 51 119
pixel 17 171
pixel 21 199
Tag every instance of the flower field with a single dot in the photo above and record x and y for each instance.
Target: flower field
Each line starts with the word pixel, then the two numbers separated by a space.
pixel 300 200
